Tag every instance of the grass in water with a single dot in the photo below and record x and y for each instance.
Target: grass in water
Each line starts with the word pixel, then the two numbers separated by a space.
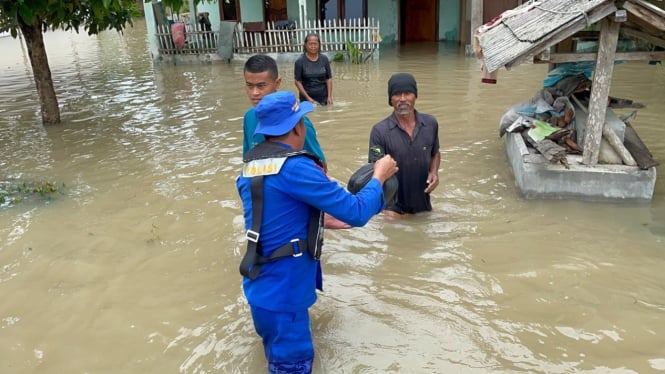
pixel 14 191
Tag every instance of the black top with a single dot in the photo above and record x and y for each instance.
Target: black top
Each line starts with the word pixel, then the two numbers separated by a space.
pixel 413 158
pixel 313 76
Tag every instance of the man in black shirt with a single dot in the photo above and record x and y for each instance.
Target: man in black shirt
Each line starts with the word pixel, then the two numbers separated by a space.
pixel 412 139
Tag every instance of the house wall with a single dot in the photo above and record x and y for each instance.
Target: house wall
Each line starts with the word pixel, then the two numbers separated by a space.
pixel 449 15
pixel 213 9
pixel 385 11
pixel 293 9
pixel 150 23
pixel 251 10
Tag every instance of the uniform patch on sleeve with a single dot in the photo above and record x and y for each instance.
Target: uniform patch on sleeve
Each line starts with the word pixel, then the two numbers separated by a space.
pixel 265 166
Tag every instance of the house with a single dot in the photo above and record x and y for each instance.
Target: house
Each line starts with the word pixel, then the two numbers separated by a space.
pixel 551 32
pixel 260 23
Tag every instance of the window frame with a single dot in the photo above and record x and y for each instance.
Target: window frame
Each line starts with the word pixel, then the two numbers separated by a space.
pixel 237 6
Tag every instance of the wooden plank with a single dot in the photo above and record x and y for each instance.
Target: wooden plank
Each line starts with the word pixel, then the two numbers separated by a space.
pixel 618 146
pixel 654 9
pixel 546 17
pixel 563 33
pixel 558 58
pixel 602 79
pixel 638 149
pixel 649 17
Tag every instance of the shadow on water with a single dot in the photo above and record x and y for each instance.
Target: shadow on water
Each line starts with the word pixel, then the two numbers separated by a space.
pixel 135 268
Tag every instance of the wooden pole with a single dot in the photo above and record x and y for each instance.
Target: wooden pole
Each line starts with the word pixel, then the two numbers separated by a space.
pixel 618 146
pixel 600 89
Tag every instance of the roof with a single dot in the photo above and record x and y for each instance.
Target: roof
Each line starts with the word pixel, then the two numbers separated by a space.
pixel 519 34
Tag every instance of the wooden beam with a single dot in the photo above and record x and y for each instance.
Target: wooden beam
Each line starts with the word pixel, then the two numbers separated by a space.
pixel 600 89
pixel 558 58
pixel 640 12
pixel 659 11
pixel 644 36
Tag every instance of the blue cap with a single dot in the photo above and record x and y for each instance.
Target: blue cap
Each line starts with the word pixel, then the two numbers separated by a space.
pixel 279 112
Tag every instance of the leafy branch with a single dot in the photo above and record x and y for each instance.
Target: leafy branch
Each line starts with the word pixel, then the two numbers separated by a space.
pixel 354 54
pixel 14 191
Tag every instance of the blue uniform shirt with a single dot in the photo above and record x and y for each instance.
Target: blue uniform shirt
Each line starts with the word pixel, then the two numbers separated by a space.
pixel 250 140
pixel 289 284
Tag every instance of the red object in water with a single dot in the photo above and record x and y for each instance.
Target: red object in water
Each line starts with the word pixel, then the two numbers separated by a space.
pixel 178 34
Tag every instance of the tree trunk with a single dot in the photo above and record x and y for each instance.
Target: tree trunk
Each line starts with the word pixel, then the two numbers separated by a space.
pixel 41 71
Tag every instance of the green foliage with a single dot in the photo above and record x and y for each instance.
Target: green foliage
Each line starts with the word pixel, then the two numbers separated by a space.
pixel 91 15
pixel 180 5
pixel 354 54
pixel 14 191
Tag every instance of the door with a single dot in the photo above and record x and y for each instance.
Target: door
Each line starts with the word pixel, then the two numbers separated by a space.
pixel 275 10
pixel 418 20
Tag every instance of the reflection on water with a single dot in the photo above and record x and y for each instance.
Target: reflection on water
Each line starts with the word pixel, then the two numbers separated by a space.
pixel 135 268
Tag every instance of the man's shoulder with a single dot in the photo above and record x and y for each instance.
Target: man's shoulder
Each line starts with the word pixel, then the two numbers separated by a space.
pixel 250 120
pixel 308 122
pixel 386 123
pixel 250 113
pixel 300 164
pixel 427 118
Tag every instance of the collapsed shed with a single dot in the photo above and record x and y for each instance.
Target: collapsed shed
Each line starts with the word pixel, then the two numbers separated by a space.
pixel 554 32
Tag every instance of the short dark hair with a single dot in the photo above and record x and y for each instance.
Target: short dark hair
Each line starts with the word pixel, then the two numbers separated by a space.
pixel 304 46
pixel 261 63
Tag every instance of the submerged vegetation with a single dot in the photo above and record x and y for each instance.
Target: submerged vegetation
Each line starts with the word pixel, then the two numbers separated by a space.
pixel 14 191
pixel 354 54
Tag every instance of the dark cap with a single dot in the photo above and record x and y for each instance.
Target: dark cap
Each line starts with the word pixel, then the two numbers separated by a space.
pixel 401 82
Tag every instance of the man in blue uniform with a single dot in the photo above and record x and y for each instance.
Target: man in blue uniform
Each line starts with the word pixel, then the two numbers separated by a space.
pixel 412 138
pixel 262 78
pixel 283 192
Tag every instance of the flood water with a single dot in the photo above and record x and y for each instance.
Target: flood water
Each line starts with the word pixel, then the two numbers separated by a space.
pixel 133 268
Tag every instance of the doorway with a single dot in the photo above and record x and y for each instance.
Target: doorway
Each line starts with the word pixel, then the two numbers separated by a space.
pixel 418 20
pixel 274 10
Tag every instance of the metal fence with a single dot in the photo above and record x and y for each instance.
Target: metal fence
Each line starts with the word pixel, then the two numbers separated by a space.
pixel 272 37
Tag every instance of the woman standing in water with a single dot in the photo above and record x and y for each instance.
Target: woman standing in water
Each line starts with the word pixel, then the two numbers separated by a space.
pixel 313 74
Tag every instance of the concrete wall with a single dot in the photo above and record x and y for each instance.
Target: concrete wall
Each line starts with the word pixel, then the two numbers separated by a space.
pixel 214 16
pixel 385 11
pixel 251 10
pixel 152 29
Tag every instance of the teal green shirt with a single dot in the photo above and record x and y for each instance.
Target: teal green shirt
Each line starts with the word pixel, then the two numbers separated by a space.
pixel 249 140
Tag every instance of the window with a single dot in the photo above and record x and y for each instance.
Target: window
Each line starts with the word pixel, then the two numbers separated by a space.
pixel 342 9
pixel 230 10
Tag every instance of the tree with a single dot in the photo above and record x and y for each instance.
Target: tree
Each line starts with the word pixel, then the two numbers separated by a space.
pixel 34 17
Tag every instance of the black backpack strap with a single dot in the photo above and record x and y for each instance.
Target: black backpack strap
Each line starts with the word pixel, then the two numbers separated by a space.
pixel 248 265
pixel 315 233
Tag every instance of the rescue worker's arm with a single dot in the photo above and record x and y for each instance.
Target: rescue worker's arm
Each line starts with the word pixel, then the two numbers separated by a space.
pixel 332 223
